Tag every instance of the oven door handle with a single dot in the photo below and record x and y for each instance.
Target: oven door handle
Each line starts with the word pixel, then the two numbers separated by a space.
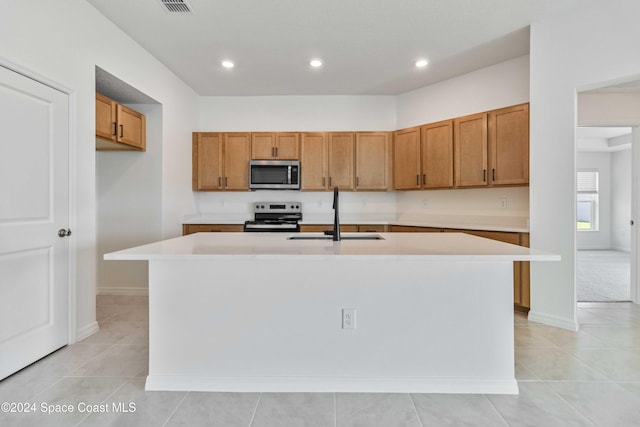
pixel 289 174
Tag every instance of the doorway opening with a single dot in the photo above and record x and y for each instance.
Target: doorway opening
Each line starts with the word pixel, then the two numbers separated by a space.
pixel 603 213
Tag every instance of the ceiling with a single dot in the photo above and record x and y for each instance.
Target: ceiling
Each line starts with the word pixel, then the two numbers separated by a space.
pixel 600 139
pixel 368 46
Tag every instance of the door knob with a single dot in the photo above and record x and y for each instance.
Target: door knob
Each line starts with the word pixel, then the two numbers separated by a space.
pixel 64 233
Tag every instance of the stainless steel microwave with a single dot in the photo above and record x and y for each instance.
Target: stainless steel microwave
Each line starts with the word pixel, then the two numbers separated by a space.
pixel 274 174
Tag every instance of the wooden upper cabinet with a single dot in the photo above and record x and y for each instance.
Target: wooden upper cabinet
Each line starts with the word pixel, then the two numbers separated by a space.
pixel 313 161
pixel 236 154
pixel 288 145
pixel 131 127
pixel 220 161
pixel 341 160
pixel 509 145
pixel 372 160
pixel 406 159
pixel 275 145
pixel 118 127
pixel 436 146
pixel 207 161
pixel 470 151
pixel 263 145
pixel 106 124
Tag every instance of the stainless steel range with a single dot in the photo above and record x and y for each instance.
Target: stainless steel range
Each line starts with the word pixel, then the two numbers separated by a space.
pixel 275 217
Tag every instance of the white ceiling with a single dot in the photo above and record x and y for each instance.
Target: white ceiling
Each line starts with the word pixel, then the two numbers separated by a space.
pixel 603 138
pixel 368 46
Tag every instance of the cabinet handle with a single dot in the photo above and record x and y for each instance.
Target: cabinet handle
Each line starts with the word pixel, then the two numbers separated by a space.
pixel 115 129
pixel 494 174
pixel 121 131
pixel 329 181
pixel 424 179
pixel 417 179
pixel 226 181
pixel 276 151
pixel 219 181
pixel 323 181
pixel 484 175
pixel 357 181
pixel 273 152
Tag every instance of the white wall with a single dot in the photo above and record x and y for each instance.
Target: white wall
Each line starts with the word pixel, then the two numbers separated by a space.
pixel 486 89
pixel 589 46
pixel 601 162
pixel 621 199
pixel 297 113
pixel 64 41
pixel 129 191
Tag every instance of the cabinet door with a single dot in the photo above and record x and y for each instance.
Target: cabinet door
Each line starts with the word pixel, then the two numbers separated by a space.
pixel 207 161
pixel 105 117
pixel 210 228
pixel 341 160
pixel 509 145
pixel 236 155
pixel 525 275
pixel 313 161
pixel 320 228
pixel 263 145
pixel 131 127
pixel 372 160
pixel 470 136
pixel 436 146
pixel 287 146
pixel 406 159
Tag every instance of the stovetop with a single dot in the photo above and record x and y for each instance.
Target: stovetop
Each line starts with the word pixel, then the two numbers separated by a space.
pixel 275 216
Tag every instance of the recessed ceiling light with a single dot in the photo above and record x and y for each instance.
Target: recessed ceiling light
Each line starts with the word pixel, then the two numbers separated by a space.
pixel 315 63
pixel 227 64
pixel 421 63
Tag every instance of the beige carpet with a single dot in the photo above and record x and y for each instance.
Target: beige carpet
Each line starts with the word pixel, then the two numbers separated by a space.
pixel 603 275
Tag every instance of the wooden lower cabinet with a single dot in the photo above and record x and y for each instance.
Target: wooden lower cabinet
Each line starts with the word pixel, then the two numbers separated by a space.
pixel 372 228
pixel 319 228
pixel 210 228
pixel 414 229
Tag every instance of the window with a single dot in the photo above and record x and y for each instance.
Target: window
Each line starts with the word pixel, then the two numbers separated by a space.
pixel 587 200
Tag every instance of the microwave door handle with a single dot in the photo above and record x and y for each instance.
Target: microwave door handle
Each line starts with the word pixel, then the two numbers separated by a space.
pixel 289 174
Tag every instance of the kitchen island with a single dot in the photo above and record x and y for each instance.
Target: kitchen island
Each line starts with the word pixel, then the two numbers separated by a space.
pixel 258 312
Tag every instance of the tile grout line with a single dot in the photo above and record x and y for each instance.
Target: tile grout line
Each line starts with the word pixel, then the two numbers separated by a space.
pixel 413 404
pixel 176 408
pixel 255 409
pixel 496 409
pixel 127 380
pixel 335 410
pixel 573 407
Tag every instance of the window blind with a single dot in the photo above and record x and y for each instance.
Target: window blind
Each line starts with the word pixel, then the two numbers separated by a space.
pixel 587 182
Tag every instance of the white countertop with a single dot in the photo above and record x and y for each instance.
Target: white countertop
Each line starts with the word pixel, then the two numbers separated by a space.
pixel 423 246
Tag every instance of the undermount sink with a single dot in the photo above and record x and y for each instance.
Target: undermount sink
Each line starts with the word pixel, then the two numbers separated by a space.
pixel 343 236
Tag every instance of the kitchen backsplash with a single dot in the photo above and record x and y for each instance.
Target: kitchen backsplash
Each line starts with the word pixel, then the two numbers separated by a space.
pixel 481 204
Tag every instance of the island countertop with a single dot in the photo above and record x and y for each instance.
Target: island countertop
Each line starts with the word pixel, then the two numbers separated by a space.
pixel 434 246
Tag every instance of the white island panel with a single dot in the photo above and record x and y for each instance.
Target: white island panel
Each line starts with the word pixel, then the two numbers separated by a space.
pixel 273 325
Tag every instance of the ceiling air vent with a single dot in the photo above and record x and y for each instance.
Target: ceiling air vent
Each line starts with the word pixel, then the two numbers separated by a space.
pixel 176 6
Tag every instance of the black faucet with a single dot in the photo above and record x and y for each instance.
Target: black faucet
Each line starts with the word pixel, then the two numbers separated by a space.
pixel 336 216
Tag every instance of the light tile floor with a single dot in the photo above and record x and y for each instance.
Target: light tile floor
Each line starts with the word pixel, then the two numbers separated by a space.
pixel 585 378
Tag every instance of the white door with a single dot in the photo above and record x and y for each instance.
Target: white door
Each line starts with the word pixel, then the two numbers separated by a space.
pixel 34 205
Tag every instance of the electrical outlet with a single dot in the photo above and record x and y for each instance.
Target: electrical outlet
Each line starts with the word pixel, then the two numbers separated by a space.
pixel 425 204
pixel 348 318
pixel 319 203
pixel 503 203
pixel 364 203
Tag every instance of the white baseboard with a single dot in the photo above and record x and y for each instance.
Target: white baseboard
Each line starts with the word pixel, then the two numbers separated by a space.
pixel 87 331
pixel 551 320
pixel 329 385
pixel 123 290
